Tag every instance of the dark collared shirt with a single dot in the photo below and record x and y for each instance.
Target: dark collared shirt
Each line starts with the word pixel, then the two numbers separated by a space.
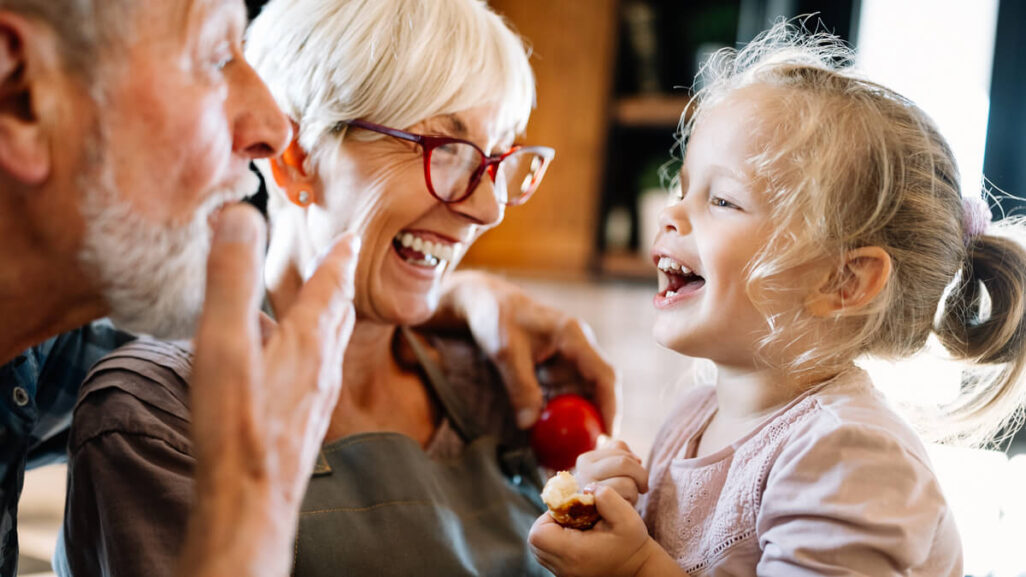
pixel 38 390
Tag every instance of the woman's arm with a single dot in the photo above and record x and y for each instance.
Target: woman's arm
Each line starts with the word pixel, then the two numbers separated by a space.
pixel 521 335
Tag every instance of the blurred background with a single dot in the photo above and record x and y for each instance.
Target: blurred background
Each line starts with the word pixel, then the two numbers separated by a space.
pixel 613 80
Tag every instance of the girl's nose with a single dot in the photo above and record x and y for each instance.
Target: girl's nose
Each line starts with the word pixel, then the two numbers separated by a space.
pixel 674 218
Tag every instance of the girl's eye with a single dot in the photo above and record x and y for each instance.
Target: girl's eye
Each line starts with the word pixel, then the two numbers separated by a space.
pixel 719 202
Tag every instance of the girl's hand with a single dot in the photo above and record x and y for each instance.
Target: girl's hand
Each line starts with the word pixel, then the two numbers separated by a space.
pixel 616 467
pixel 618 545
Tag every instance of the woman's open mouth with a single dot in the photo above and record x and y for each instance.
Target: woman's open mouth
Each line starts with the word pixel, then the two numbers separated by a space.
pixel 677 282
pixel 422 252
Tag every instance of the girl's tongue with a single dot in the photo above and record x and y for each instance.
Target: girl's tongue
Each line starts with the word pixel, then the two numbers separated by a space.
pixel 679 278
pixel 681 282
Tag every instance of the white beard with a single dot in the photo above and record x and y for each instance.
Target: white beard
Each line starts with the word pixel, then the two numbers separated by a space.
pixel 153 277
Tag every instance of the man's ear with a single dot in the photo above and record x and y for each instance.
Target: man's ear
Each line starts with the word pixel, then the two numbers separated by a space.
pixel 860 279
pixel 289 172
pixel 24 150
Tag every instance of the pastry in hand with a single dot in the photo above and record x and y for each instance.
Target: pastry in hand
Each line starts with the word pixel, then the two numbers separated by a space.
pixel 567 506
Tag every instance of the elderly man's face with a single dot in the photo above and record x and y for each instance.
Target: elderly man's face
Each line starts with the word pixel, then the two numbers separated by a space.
pixel 183 116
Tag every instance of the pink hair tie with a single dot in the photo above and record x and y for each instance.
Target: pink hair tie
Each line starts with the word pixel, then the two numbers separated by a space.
pixel 975 217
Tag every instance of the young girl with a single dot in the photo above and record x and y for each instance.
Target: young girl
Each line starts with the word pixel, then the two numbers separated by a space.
pixel 818 219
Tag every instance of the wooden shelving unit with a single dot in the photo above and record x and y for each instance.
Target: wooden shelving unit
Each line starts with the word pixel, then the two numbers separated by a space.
pixel 655 110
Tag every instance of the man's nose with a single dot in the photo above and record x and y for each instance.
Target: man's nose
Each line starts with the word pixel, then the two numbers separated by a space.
pixel 260 128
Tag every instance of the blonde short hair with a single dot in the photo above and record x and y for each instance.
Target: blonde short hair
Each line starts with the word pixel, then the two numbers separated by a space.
pixel 851 163
pixel 392 62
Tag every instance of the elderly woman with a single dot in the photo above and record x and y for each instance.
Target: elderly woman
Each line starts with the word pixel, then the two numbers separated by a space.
pixel 406 115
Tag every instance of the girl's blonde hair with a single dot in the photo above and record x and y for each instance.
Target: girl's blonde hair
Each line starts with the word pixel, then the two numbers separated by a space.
pixel 849 164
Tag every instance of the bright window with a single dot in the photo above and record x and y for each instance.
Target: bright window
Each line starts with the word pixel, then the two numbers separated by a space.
pixel 940 54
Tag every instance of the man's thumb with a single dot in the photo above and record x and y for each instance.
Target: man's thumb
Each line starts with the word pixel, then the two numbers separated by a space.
pixel 234 288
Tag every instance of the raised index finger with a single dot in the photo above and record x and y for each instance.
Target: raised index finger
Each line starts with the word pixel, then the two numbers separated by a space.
pixel 320 315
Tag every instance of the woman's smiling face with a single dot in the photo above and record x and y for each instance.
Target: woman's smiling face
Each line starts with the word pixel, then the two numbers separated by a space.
pixel 410 239
pixel 710 234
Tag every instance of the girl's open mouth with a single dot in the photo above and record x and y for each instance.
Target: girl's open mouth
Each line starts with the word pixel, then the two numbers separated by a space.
pixel 677 282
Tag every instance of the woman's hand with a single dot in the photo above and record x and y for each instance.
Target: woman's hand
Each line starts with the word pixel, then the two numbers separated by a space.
pixel 618 546
pixel 529 341
pixel 616 467
pixel 261 400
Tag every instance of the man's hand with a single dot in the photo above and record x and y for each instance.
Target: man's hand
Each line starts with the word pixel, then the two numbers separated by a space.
pixel 261 401
pixel 616 467
pixel 618 546
pixel 527 341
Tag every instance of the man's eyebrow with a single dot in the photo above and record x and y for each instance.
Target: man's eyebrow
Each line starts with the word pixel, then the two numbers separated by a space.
pixel 237 17
pixel 232 13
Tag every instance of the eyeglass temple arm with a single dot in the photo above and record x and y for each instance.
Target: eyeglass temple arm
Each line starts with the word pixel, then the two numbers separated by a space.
pixel 384 130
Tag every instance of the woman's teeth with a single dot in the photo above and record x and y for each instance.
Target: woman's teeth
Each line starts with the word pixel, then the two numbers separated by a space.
pixel 430 253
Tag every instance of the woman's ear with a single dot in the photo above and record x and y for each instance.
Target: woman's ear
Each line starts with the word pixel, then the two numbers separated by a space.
pixel 289 172
pixel 24 148
pixel 862 277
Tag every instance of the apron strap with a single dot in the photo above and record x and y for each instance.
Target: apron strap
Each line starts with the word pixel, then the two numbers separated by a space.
pixel 464 425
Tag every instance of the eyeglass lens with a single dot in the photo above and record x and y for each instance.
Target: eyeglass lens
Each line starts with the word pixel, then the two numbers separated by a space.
pixel 453 167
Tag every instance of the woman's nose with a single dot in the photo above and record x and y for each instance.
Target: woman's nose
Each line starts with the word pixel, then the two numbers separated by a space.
pixel 483 206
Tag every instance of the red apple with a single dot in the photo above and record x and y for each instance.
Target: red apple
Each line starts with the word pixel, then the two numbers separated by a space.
pixel 569 425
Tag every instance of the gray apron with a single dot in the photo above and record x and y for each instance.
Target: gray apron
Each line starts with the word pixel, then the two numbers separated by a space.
pixel 378 505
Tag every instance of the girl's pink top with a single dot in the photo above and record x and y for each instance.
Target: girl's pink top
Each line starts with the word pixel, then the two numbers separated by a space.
pixel 835 483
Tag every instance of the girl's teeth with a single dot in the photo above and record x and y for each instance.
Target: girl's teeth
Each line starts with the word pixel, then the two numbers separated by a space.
pixel 669 265
pixel 407 240
pixel 671 294
pixel 418 244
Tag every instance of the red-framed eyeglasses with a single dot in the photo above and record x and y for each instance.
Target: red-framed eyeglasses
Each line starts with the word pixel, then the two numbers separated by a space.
pixel 453 167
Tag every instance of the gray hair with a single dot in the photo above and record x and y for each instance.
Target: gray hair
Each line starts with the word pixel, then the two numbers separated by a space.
pixel 394 62
pixel 88 30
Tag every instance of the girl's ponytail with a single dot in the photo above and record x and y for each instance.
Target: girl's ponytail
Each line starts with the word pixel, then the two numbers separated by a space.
pixel 984 322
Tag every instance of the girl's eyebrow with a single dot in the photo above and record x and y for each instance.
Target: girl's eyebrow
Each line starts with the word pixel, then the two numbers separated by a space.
pixel 733 174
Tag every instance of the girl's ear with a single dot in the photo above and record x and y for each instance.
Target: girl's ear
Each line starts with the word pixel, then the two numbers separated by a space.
pixel 289 172
pixel 863 276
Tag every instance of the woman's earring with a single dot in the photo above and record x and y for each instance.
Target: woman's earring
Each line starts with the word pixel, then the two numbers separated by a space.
pixel 301 196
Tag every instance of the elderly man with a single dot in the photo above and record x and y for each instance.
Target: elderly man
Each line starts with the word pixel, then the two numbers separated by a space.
pixel 125 129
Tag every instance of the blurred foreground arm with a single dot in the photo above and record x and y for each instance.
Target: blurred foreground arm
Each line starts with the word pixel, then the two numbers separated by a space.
pixel 260 410
pixel 529 341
